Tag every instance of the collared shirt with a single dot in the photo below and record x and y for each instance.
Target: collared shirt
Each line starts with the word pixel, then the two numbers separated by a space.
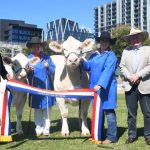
pixel 101 53
pixel 135 62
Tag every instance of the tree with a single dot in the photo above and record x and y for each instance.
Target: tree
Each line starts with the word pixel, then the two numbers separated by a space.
pixel 120 44
pixel 147 42
pixel 26 51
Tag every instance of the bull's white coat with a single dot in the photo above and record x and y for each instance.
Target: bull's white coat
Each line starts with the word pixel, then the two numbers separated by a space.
pixel 69 75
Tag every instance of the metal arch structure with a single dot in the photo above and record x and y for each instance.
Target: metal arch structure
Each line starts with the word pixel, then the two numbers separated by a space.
pixel 10 49
pixel 63 26
pixel 58 28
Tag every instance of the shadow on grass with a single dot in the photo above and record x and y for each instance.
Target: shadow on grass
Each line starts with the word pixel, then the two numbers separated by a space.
pixel 29 129
pixel 121 131
pixel 29 132
pixel 140 132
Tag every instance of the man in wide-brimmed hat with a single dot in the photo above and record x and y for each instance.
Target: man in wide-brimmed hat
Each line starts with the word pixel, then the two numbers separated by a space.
pixel 102 65
pixel 41 78
pixel 135 68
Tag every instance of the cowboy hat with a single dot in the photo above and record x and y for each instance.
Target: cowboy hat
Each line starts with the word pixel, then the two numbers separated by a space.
pixel 135 31
pixel 105 35
pixel 34 40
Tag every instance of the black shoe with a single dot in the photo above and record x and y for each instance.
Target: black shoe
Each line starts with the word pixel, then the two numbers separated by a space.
pixel 147 141
pixel 130 140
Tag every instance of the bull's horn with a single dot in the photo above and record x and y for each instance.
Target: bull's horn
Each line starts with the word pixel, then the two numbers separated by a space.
pixel 55 46
pixel 87 44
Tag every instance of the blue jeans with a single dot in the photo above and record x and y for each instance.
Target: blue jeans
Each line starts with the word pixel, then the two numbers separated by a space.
pixel 111 123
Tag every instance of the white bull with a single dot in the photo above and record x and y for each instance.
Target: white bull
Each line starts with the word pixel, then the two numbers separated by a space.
pixel 68 75
pixel 18 65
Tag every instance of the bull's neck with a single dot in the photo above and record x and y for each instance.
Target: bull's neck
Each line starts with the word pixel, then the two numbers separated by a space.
pixel 74 75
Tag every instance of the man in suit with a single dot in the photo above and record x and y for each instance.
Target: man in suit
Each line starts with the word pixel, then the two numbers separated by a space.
pixel 3 71
pixel 135 68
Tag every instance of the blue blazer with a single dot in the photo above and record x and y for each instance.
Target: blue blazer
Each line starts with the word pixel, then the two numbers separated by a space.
pixel 41 79
pixel 102 72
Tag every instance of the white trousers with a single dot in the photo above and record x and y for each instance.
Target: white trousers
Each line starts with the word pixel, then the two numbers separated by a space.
pixel 42 118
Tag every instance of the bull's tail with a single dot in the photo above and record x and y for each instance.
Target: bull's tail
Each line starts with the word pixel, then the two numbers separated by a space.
pixel 80 120
pixel 30 112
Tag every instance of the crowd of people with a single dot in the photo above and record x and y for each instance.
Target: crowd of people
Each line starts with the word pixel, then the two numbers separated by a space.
pixel 102 64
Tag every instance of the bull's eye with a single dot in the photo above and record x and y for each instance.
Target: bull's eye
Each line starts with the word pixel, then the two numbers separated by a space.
pixel 13 68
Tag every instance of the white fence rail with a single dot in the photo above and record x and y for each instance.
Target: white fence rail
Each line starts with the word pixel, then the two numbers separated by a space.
pixel 10 49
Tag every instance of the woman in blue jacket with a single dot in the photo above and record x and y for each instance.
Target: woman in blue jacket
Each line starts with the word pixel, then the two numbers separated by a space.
pixel 101 66
pixel 41 78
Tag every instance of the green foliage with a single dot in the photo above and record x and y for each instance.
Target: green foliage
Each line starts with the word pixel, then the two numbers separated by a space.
pixel 26 51
pixel 147 42
pixel 120 44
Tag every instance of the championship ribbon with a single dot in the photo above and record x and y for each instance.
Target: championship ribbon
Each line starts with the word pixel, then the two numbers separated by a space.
pixel 5 101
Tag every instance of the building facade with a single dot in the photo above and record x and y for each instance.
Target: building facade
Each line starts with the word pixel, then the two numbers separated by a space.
pixel 61 29
pixel 18 31
pixel 129 12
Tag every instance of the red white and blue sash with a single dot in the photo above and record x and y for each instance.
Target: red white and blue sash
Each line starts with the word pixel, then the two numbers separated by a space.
pixel 5 124
pixel 77 93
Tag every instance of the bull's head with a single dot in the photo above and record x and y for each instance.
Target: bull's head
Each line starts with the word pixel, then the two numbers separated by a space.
pixel 20 64
pixel 72 49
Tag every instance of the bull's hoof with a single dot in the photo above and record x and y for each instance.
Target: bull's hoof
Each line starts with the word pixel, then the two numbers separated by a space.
pixel 86 134
pixel 20 133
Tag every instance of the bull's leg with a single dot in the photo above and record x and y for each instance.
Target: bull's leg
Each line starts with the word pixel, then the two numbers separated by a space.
pixel 19 118
pixel 84 113
pixel 64 114
pixel 21 99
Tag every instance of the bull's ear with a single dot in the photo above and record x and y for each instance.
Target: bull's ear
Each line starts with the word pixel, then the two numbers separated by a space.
pixel 7 60
pixel 55 46
pixel 87 45
pixel 21 58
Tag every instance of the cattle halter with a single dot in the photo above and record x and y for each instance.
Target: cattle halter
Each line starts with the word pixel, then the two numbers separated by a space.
pixel 79 55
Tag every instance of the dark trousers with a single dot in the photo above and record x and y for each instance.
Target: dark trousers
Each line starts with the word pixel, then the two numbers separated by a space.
pixel 132 98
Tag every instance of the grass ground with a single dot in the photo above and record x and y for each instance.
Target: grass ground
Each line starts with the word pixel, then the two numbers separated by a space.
pixel 75 141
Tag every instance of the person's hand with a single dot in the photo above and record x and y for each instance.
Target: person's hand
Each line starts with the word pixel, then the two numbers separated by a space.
pixel 134 78
pixel 82 58
pixel 30 69
pixel 9 77
pixel 46 64
pixel 97 88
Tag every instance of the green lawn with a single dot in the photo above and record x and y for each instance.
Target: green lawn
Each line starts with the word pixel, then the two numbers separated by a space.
pixel 75 141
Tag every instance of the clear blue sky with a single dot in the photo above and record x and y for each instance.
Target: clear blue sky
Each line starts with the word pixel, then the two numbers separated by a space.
pixel 40 12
